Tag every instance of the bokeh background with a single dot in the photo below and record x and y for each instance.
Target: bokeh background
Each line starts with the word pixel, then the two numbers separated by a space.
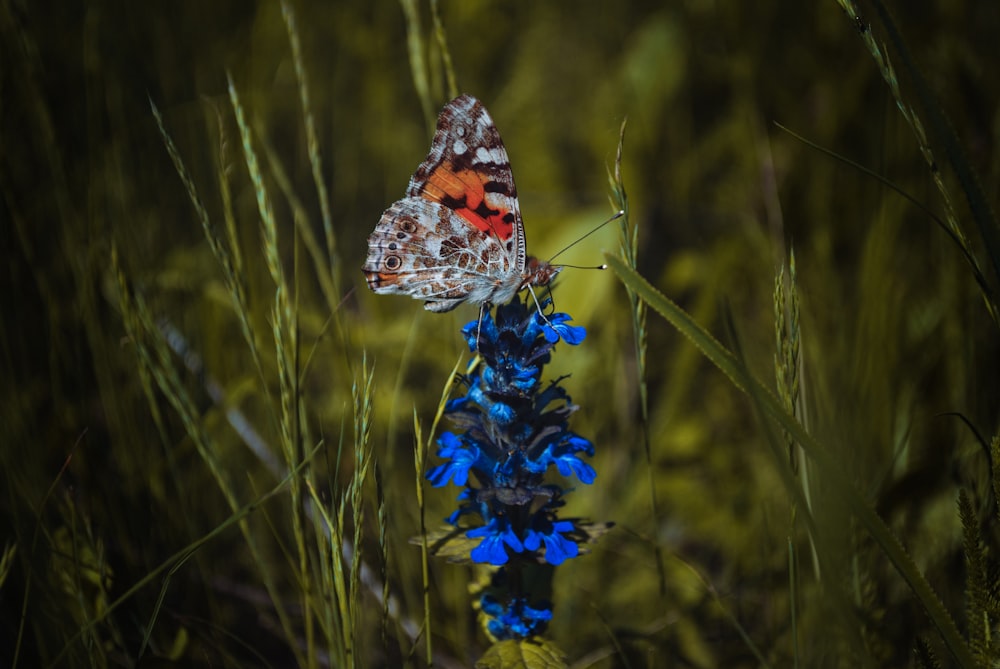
pixel 115 461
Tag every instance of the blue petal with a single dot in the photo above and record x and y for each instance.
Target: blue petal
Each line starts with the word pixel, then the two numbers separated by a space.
pixel 448 442
pixel 557 327
pixel 469 332
pixel 535 327
pixel 495 534
pixel 476 395
pixel 577 443
pixel 457 470
pixel 485 329
pixel 491 606
pixel 526 378
pixel 536 614
pixel 490 551
pixel 510 538
pixel 502 414
pixel 516 620
pixel 558 548
pixel 463 457
pixel 569 464
pixel 532 540
pixel 498 628
pixel 455 404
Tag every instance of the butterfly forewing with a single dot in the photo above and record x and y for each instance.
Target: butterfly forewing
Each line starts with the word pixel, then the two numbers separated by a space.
pixel 468 171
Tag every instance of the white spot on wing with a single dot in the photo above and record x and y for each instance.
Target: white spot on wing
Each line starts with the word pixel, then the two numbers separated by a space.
pixel 459 147
pixel 494 156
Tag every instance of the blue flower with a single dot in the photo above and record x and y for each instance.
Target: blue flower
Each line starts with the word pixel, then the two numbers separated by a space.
pixel 565 457
pixel 558 548
pixel 491 550
pixel 463 457
pixel 556 328
pixel 516 620
pixel 484 327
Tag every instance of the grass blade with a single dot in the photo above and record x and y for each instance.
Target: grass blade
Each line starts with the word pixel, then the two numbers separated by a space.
pixel 742 379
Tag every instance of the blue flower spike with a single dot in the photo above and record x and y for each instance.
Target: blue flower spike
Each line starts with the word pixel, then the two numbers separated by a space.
pixel 511 431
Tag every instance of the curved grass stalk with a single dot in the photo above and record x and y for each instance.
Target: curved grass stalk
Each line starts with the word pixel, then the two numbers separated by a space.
pixel 982 214
pixel 771 406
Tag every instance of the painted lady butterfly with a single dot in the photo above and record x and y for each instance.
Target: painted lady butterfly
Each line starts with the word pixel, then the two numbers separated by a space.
pixel 457 236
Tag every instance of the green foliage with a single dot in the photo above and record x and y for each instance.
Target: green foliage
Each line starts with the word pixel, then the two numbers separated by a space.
pixel 978 587
pixel 527 654
pixel 206 446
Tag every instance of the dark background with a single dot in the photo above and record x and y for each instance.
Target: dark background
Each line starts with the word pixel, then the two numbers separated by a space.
pixel 105 479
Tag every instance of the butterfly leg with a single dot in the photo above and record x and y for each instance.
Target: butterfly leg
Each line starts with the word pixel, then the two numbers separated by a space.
pixel 479 325
pixel 539 306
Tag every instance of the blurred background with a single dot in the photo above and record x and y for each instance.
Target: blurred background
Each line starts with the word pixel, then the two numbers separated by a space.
pixel 125 358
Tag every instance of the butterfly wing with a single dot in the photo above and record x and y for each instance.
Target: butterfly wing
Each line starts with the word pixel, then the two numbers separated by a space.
pixel 468 171
pixel 457 236
pixel 425 250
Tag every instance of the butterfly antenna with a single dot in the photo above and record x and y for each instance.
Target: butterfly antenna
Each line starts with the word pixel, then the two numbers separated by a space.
pixel 613 218
pixel 584 266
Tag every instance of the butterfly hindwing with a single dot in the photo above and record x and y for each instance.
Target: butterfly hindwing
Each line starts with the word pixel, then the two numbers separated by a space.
pixel 424 249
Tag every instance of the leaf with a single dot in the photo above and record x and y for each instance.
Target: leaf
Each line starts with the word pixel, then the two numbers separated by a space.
pixel 523 654
pixel 449 542
pixel 588 532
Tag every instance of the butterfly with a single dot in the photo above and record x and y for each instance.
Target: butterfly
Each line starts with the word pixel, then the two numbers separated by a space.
pixel 457 236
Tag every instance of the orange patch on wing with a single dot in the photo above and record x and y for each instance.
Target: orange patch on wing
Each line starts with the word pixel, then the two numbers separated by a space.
pixel 451 186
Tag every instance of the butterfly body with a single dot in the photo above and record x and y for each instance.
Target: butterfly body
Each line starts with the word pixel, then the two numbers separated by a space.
pixel 457 236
